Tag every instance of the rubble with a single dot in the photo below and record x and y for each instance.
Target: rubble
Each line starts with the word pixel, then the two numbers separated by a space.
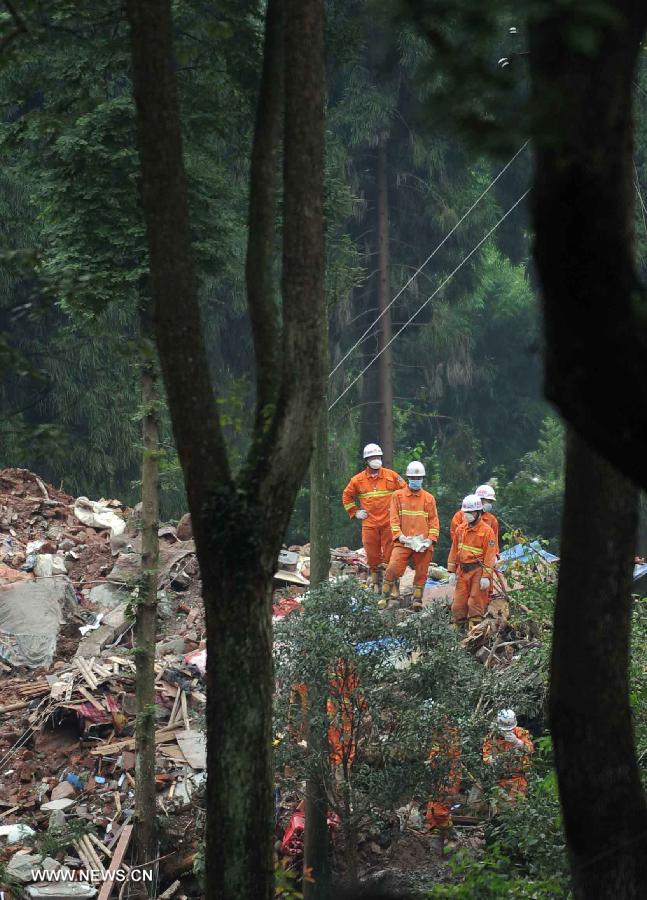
pixel 67 696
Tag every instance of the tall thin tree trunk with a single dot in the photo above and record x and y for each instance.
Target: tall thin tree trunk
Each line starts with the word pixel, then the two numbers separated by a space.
pixel 369 395
pixel 316 851
pixel 385 333
pixel 146 620
pixel 605 815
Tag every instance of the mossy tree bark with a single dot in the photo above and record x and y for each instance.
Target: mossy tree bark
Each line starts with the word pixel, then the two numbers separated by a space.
pixel 146 620
pixel 316 845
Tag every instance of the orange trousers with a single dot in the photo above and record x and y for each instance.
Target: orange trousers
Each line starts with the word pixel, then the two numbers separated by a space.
pixel 378 543
pixel 400 555
pixel 469 600
pixel 515 786
pixel 438 815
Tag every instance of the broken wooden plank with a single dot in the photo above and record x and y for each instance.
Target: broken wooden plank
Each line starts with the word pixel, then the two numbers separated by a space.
pixel 194 747
pixel 8 812
pixel 161 737
pixel 97 843
pixel 117 859
pixel 88 696
pixel 14 707
pixel 82 666
pixel 185 711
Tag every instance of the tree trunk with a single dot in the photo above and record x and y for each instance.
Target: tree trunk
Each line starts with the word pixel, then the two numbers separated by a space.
pixel 385 332
pixel 582 207
pixel 605 815
pixel 369 395
pixel 239 522
pixel 316 860
pixel 583 215
pixel 320 506
pixel 146 620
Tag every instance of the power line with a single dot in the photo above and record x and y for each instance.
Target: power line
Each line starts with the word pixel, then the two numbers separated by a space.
pixel 430 257
pixel 431 297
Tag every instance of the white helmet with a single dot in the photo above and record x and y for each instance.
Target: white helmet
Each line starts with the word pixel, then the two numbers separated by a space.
pixel 506 720
pixel 372 450
pixel 472 503
pixel 415 470
pixel 485 492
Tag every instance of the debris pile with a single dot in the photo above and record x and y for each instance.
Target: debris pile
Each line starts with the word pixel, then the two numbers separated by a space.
pixel 496 641
pixel 68 571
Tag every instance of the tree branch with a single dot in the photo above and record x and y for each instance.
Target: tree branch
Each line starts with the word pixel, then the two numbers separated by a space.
pixel 263 311
pixel 303 353
pixel 178 325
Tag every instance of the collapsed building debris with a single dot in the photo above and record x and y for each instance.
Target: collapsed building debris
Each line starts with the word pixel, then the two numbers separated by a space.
pixel 68 569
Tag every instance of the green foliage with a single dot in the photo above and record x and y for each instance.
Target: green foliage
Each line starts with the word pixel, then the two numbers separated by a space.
pixel 56 840
pixel 525 852
pixel 494 876
pixel 285 882
pixel 532 501
pixel 405 683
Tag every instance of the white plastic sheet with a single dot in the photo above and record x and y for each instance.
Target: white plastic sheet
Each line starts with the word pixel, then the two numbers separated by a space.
pixel 97 515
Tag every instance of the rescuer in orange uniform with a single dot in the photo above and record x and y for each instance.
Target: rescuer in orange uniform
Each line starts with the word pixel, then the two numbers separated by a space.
pixel 373 488
pixel 413 513
pixel 488 497
pixel 509 747
pixel 445 758
pixel 471 561
pixel 344 708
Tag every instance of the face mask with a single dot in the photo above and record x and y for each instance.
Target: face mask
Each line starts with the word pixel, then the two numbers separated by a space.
pixel 415 484
pixel 375 463
pixel 469 517
pixel 487 507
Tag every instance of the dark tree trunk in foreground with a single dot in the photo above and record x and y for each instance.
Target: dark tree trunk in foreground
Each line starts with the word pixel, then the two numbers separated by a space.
pixel 605 815
pixel 595 310
pixel 595 319
pixel 239 522
pixel 316 851
pixel 146 621
pixel 385 330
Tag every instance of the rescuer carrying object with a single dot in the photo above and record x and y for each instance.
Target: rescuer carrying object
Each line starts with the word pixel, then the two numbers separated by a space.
pixel 415 529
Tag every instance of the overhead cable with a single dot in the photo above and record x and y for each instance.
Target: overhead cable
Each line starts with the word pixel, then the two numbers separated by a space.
pixel 431 297
pixel 430 257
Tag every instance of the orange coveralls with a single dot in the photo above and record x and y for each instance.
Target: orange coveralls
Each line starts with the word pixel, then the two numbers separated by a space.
pixel 487 517
pixel 516 765
pixel 341 710
pixel 472 555
pixel 446 746
pixel 374 490
pixel 343 714
pixel 412 512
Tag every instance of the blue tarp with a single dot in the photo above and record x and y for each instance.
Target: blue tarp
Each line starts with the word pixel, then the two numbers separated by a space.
pixel 640 571
pixel 525 553
pixel 383 644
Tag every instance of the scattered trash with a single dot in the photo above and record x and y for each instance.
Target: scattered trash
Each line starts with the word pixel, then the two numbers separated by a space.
pixel 14 834
pixel 98 514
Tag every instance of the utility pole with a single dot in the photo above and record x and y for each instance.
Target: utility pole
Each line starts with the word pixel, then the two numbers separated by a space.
pixel 385 331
